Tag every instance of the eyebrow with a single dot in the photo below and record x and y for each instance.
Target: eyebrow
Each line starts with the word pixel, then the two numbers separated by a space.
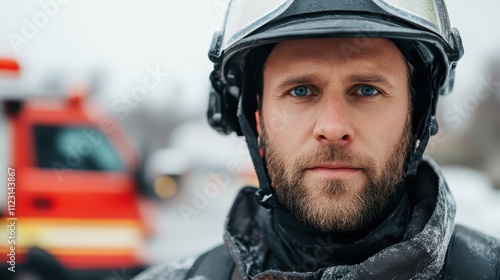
pixel 370 78
pixel 306 79
pixel 356 78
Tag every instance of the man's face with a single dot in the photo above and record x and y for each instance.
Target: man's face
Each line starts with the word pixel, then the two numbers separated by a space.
pixel 335 127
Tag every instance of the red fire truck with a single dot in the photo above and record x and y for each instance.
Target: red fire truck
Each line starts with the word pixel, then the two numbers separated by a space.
pixel 70 209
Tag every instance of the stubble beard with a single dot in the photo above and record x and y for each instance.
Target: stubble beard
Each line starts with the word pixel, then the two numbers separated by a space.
pixel 334 206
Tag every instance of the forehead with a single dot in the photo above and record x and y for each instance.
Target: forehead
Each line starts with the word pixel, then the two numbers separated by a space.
pixel 336 50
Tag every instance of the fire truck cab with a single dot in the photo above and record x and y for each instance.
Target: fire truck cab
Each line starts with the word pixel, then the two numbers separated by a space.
pixel 75 195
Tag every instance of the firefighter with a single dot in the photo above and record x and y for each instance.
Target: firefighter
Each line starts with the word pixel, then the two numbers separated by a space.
pixel 337 102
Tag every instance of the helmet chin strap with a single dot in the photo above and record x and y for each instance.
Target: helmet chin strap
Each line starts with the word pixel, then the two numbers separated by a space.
pixel 416 155
pixel 418 144
pixel 265 194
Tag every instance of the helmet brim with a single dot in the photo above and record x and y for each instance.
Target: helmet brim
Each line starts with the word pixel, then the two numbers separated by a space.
pixel 339 26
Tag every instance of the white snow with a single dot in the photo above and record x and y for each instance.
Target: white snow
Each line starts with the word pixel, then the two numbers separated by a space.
pixel 478 204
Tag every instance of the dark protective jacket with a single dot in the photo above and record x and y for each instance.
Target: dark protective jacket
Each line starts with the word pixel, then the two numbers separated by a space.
pixel 417 239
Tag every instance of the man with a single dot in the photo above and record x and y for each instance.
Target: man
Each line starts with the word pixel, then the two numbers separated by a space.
pixel 337 100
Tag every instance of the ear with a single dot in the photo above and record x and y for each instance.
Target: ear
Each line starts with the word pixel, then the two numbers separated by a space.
pixel 257 122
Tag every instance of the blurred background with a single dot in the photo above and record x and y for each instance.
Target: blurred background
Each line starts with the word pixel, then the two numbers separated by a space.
pixel 123 86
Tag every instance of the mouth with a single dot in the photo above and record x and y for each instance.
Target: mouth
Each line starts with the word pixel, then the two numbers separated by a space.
pixel 333 171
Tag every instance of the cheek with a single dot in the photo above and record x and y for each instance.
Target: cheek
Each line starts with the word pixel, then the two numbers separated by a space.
pixel 382 128
pixel 286 125
pixel 398 118
pixel 393 128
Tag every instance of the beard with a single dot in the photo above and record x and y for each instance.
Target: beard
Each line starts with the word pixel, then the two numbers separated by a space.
pixel 335 205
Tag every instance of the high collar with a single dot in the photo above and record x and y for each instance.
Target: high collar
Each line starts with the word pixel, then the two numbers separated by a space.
pixel 297 241
pixel 417 252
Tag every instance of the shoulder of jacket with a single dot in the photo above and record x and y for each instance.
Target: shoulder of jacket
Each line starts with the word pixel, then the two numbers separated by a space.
pixel 176 270
pixel 472 255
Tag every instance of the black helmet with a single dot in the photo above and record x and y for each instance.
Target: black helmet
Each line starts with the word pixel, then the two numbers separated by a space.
pixel 420 29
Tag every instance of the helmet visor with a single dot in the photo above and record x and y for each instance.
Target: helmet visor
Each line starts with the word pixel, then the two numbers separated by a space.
pixel 430 14
pixel 245 16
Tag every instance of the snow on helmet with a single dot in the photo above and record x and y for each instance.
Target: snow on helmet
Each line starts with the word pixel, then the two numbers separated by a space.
pixel 420 29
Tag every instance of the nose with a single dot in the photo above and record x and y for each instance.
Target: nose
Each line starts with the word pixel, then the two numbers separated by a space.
pixel 333 124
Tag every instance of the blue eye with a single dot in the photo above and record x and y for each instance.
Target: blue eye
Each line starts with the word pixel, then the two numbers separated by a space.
pixel 367 91
pixel 300 91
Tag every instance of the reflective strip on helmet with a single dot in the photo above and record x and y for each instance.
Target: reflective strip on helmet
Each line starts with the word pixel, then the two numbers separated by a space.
pixel 245 16
pixel 430 14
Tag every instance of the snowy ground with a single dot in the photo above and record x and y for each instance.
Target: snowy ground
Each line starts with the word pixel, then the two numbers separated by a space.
pixel 478 206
